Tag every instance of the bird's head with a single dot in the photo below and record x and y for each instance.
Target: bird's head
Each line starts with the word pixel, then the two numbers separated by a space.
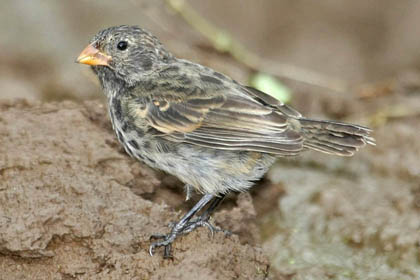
pixel 125 52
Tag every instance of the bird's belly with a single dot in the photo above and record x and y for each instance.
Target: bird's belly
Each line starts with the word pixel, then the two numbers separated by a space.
pixel 207 170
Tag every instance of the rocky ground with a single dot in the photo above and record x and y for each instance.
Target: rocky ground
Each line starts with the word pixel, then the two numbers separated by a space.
pixel 74 205
pixel 354 218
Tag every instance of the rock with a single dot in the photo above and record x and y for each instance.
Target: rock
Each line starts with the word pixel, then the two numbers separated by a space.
pixel 72 205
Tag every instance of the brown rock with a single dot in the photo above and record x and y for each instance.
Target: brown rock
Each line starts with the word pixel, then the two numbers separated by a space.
pixel 69 206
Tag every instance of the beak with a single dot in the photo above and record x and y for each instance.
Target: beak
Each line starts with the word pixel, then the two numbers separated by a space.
pixel 92 56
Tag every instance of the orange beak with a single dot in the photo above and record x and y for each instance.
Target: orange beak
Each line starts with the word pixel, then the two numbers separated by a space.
pixel 92 56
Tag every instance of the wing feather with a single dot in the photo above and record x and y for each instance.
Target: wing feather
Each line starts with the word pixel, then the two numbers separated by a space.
pixel 220 121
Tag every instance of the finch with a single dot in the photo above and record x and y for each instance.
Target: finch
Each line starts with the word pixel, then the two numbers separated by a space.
pixel 213 133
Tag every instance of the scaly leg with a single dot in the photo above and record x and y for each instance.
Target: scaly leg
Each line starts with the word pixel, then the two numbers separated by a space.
pixel 179 227
pixel 203 219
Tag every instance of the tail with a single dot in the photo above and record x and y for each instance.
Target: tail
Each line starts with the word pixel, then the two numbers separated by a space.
pixel 334 137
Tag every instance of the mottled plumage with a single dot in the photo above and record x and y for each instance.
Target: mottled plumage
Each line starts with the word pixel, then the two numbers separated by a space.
pixel 213 133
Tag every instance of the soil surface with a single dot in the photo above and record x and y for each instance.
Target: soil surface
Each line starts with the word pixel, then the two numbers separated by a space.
pixel 74 205
pixel 353 218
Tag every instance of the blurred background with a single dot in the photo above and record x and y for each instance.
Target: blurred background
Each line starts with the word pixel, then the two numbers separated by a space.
pixel 348 43
pixel 321 217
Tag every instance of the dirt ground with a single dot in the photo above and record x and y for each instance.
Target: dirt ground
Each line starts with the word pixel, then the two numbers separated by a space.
pixel 353 218
pixel 73 206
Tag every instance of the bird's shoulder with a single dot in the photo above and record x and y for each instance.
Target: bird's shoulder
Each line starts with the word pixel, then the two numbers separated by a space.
pixel 186 105
pixel 183 80
pixel 193 91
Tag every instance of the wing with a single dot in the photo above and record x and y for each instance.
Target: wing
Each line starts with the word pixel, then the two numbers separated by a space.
pixel 272 102
pixel 218 120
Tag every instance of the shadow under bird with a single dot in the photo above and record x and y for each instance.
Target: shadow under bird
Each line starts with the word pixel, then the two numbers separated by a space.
pixel 213 133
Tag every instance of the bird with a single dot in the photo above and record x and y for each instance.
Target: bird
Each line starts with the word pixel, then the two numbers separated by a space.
pixel 213 133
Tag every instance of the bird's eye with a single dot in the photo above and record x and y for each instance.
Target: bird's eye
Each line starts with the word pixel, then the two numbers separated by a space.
pixel 122 45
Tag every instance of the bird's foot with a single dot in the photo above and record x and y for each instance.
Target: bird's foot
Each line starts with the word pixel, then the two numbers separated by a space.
pixel 186 225
pixel 177 228
pixel 203 221
pixel 167 241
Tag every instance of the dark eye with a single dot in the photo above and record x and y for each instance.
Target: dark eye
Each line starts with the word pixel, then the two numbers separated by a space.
pixel 122 45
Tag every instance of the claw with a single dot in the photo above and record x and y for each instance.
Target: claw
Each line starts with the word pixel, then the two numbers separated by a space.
pixel 166 242
pixel 190 226
pixel 167 254
pixel 151 250
pixel 184 226
pixel 157 236
pixel 210 227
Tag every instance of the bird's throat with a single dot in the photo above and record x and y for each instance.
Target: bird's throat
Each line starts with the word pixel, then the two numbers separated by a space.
pixel 111 84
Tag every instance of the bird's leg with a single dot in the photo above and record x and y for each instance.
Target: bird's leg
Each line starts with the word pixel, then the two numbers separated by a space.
pixel 188 190
pixel 203 219
pixel 178 228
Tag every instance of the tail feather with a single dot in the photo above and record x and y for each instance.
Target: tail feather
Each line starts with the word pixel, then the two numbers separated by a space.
pixel 334 137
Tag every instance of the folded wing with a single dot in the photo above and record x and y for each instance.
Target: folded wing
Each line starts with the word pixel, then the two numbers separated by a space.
pixel 227 122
